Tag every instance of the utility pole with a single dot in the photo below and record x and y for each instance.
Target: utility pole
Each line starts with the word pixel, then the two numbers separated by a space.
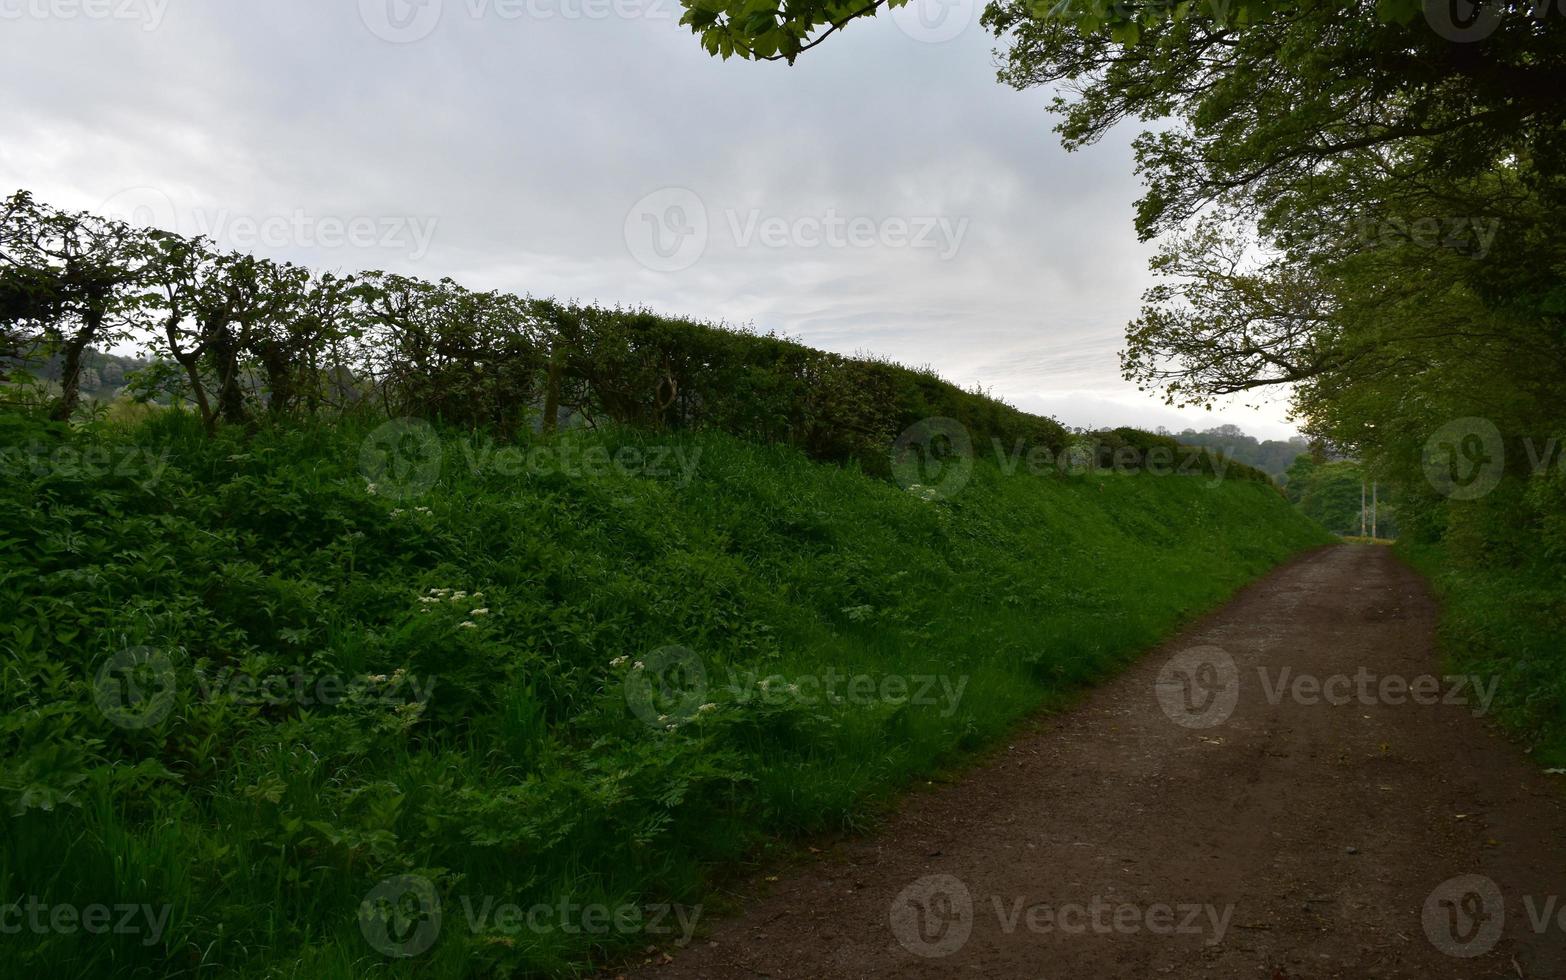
pixel 1373 508
pixel 1362 507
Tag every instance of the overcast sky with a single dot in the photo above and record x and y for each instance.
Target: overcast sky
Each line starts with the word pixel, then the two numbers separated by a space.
pixel 885 194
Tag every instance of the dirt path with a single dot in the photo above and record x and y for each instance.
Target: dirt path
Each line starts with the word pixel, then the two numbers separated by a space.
pixel 1136 837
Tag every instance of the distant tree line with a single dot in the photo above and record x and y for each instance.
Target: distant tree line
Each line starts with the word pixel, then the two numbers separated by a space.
pixel 1272 456
pixel 1331 489
pixel 104 376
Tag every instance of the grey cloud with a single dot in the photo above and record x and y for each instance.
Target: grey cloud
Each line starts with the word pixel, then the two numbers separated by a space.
pixel 528 141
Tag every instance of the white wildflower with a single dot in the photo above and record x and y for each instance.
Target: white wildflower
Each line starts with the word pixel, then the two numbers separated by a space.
pixel 482 611
pixel 619 661
pixel 467 626
pixel 707 708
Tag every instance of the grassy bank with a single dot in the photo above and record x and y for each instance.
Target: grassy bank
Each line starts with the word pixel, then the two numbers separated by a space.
pixel 1504 622
pixel 444 677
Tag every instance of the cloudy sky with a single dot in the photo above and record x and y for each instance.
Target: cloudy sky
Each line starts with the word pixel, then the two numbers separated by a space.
pixel 885 194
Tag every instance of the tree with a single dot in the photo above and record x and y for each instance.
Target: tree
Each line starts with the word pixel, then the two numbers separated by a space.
pixel 304 350
pixel 70 278
pixel 1332 494
pixel 224 317
pixel 769 33
pixel 1312 120
pixel 177 271
pixel 448 352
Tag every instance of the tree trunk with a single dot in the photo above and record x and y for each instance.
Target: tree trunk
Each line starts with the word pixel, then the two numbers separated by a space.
pixel 225 358
pixel 71 367
pixel 552 390
pixel 191 362
pixel 279 381
pixel 70 379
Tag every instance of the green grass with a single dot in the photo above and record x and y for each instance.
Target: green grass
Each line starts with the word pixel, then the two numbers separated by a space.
pixel 526 776
pixel 1504 623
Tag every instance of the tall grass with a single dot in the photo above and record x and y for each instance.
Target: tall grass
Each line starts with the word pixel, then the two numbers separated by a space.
pixel 1503 622
pixel 525 776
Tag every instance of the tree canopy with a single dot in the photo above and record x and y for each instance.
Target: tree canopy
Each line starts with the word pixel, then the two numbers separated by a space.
pixel 1363 201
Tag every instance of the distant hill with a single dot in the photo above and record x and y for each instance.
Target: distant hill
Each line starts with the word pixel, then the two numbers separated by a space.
pixel 1272 457
pixel 103 375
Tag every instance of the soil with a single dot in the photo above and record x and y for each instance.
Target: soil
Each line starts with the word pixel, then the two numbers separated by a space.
pixel 1193 819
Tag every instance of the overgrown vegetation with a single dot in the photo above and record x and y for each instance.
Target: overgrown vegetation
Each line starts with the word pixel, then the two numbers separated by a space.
pixel 485 630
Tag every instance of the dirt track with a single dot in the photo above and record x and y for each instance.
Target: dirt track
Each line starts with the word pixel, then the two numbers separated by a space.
pixel 1144 834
